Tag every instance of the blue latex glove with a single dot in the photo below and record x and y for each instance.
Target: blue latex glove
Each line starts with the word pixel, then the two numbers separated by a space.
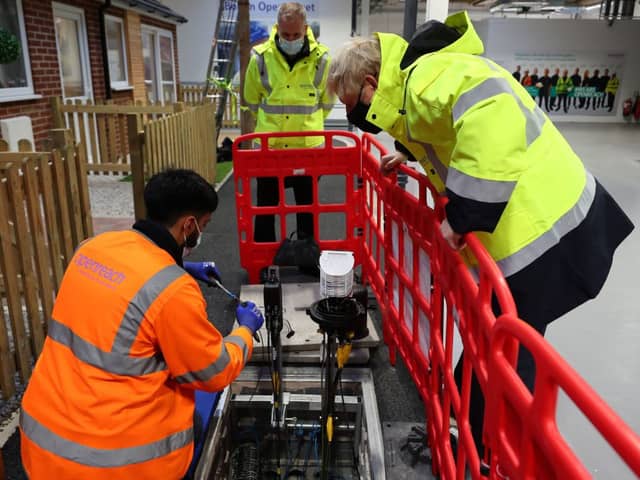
pixel 202 270
pixel 249 316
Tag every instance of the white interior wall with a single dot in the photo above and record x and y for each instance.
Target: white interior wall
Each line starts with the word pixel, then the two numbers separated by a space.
pixel 194 37
pixel 503 37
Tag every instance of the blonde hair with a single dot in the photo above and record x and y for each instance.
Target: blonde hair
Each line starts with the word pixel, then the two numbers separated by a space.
pixel 292 11
pixel 359 57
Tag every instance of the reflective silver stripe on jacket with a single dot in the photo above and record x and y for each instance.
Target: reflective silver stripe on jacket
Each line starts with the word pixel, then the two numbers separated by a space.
pixel 239 341
pixel 218 365
pixel 111 362
pixel 490 88
pixel 262 69
pixel 480 189
pixel 570 220
pixel 101 457
pixel 322 66
pixel 253 107
pixel 289 109
pixel 490 64
pixel 439 167
pixel 139 304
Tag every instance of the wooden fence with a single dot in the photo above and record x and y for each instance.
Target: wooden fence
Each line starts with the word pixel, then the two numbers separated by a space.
pixel 183 140
pixel 24 145
pixel 102 128
pixel 44 214
pixel 194 95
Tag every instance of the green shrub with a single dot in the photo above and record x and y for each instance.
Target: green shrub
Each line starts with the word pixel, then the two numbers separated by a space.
pixel 9 47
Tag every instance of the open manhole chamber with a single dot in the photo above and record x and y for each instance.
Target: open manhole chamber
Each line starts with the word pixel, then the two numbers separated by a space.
pixel 243 444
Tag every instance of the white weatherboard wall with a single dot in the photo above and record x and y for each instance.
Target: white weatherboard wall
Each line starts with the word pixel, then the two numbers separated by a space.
pixel 504 37
pixel 194 37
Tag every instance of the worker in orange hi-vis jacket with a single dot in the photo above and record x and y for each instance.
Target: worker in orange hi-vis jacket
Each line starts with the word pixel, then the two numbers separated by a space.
pixel 129 342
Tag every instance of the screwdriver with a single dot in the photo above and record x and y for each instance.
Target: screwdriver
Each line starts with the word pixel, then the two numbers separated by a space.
pixel 217 283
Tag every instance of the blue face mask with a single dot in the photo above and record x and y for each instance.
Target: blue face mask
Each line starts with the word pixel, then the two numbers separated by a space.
pixel 291 47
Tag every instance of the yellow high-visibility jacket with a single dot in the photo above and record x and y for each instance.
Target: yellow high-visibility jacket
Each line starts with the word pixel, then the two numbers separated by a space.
pixel 288 99
pixel 509 175
pixel 612 85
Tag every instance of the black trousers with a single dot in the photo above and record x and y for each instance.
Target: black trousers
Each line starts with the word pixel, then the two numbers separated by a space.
pixel 611 97
pixel 545 99
pixel 267 192
pixel 563 101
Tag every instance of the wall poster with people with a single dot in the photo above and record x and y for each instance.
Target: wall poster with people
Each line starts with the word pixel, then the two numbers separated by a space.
pixel 570 83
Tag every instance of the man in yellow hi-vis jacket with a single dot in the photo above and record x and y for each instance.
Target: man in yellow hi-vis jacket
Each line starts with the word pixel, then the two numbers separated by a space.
pixel 612 88
pixel 508 173
pixel 285 88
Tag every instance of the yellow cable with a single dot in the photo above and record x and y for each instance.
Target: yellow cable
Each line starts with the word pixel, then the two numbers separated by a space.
pixel 330 429
pixel 343 353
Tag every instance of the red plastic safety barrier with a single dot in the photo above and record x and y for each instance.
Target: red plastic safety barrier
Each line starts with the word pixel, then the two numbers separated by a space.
pixel 429 290
pixel 374 184
pixel 340 155
pixel 523 434
pixel 425 290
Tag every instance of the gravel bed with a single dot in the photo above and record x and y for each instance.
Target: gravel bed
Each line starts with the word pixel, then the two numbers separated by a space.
pixel 110 197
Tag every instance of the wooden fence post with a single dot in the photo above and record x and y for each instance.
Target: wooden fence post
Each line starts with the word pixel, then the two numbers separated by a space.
pixel 61 138
pixel 178 107
pixel 10 269
pixel 64 143
pixel 136 158
pixel 56 109
pixel 24 145
pixel 7 268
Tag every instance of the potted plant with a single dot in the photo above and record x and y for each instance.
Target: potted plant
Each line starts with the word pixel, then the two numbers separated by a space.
pixel 9 47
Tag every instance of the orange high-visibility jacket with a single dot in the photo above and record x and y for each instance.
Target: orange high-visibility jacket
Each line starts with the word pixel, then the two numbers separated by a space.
pixel 112 393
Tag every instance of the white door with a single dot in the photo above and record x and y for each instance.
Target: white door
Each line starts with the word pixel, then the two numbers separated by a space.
pixel 73 52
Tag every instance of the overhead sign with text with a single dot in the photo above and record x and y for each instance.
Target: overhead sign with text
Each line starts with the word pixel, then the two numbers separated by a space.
pixel 263 15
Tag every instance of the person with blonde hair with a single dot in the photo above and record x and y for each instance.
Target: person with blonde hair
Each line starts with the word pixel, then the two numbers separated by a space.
pixel 285 88
pixel 507 172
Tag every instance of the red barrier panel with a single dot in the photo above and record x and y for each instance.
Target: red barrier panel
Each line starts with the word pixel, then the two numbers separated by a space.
pixel 523 434
pixel 374 184
pixel 340 155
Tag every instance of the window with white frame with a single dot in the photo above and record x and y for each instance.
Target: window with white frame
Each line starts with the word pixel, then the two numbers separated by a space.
pixel 73 51
pixel 116 52
pixel 159 64
pixel 15 68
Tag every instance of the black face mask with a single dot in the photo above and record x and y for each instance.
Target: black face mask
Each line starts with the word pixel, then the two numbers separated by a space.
pixel 192 240
pixel 358 116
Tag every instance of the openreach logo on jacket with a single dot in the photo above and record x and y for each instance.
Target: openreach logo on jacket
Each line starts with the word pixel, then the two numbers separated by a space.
pixel 98 272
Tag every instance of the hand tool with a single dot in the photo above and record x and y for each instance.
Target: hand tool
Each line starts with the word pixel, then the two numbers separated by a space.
pixel 217 283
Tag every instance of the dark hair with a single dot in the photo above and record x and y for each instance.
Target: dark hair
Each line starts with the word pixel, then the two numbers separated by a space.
pixel 174 193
